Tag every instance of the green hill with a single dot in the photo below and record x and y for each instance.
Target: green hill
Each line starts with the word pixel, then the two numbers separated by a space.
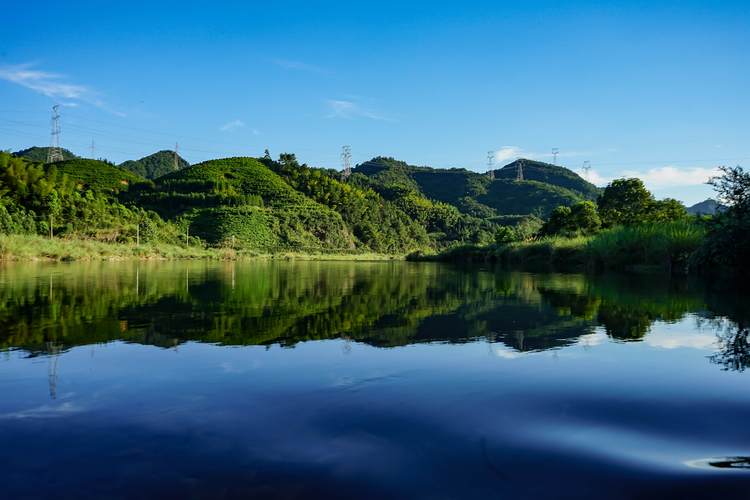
pixel 96 174
pixel 378 224
pixel 549 174
pixel 155 165
pixel 544 188
pixel 36 153
pixel 242 200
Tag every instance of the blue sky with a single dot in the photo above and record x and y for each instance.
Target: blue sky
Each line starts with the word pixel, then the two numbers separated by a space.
pixel 657 90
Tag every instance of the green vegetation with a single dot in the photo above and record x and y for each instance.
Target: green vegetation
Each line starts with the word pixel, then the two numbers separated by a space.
pixel 260 206
pixel 629 230
pixel 37 154
pixel 155 165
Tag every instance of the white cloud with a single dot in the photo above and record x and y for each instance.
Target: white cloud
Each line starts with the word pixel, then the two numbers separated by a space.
pixel 339 108
pixel 53 85
pixel 671 176
pixel 232 125
pixel 298 66
pixel 509 153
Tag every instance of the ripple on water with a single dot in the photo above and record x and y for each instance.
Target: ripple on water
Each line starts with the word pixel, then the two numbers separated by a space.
pixel 737 463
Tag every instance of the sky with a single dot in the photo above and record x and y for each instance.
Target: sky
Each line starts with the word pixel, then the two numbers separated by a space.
pixel 656 90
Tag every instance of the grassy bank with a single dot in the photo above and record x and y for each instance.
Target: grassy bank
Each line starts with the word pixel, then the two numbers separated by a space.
pixel 650 247
pixel 31 248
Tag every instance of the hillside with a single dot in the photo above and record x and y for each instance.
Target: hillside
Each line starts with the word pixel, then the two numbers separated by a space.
pixel 544 188
pixel 39 154
pixel 241 200
pixel 549 174
pixel 706 207
pixel 95 174
pixel 155 165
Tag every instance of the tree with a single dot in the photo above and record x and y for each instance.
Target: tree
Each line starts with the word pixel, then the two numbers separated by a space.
pixel 733 188
pixel 666 210
pixel 727 243
pixel 581 218
pixel 625 201
pixel 584 218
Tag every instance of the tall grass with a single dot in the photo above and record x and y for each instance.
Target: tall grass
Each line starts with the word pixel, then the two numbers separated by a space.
pixel 667 245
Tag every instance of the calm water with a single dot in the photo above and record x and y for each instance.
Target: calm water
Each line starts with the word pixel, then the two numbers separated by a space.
pixel 357 380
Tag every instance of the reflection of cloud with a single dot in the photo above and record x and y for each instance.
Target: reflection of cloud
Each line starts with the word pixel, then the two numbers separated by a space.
pixel 228 367
pixel 505 353
pixel 679 340
pixel 592 339
pixel 44 411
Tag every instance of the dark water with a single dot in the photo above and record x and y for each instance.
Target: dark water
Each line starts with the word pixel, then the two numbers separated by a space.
pixel 353 380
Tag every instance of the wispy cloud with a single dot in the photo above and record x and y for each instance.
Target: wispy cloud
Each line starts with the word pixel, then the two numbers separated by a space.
pixel 232 125
pixel 298 66
pixel 348 110
pixel 54 86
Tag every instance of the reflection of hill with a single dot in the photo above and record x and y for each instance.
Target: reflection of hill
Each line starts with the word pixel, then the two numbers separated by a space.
pixel 383 304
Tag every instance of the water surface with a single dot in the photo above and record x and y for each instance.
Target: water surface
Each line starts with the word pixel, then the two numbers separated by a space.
pixel 284 379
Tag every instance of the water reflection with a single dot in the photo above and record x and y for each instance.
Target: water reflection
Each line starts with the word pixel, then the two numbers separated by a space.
pixel 123 380
pixel 50 308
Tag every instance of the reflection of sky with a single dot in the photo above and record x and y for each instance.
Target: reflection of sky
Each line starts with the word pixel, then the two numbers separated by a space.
pixel 391 418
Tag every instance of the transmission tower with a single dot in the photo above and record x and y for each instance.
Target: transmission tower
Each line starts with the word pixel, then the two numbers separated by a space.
pixel 54 153
pixel 92 148
pixel 519 172
pixel 554 155
pixel 346 161
pixel 491 165
pixel 176 161
pixel 586 167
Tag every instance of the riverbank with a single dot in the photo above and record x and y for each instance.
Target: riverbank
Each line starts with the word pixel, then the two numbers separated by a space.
pixel 665 247
pixel 38 248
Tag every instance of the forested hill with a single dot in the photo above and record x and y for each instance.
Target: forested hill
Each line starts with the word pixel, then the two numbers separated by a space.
pixel 386 206
pixel 544 186
pixel 36 153
pixel 155 165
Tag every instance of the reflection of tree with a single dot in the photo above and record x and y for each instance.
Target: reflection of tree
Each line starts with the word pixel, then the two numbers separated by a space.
pixel 734 349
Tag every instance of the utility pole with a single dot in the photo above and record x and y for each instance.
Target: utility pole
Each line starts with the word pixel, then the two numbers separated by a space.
pixel 54 153
pixel 586 167
pixel 176 162
pixel 554 155
pixel 346 161
pixel 519 171
pixel 491 165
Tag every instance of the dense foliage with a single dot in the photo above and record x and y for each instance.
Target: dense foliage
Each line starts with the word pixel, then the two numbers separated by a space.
pixel 727 244
pixel 39 199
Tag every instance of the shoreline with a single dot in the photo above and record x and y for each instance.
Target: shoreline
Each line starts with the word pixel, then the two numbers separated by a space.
pixel 28 248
